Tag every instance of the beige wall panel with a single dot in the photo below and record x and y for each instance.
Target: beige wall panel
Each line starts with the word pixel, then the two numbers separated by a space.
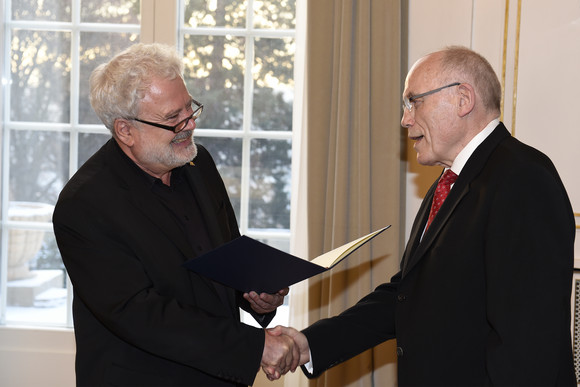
pixel 548 84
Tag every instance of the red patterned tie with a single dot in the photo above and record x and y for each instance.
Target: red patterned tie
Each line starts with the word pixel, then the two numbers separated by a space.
pixel 441 192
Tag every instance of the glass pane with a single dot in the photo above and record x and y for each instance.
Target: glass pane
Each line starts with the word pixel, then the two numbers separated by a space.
pixel 46 10
pixel 38 165
pixel 89 143
pixel 36 287
pixel 40 67
pixel 111 11
pixel 97 48
pixel 275 14
pixel 215 13
pixel 273 84
pixel 214 75
pixel 227 154
pixel 270 180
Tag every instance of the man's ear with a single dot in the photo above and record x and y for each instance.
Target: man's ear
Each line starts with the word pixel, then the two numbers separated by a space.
pixel 466 99
pixel 124 131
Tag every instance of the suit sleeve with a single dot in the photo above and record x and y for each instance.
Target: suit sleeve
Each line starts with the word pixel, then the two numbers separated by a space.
pixel 368 323
pixel 528 268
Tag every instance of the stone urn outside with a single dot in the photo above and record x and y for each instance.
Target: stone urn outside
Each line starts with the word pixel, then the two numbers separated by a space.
pixel 23 244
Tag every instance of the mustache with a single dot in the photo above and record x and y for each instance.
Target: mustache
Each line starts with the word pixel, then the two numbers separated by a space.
pixel 183 135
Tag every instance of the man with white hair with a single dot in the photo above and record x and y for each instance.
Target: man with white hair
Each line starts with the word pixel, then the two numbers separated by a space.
pixel 146 202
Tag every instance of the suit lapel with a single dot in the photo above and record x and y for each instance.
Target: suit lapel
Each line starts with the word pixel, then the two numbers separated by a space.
pixel 417 248
pixel 206 204
pixel 207 208
pixel 423 245
pixel 410 256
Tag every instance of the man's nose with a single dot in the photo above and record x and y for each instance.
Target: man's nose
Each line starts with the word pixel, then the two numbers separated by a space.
pixel 408 118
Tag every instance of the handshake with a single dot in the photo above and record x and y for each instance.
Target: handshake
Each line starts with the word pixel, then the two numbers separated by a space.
pixel 284 350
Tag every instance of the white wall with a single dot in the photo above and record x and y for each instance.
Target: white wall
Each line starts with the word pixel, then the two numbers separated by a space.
pixel 36 358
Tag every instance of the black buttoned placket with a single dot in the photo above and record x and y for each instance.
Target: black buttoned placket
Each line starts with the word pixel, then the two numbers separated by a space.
pixel 180 201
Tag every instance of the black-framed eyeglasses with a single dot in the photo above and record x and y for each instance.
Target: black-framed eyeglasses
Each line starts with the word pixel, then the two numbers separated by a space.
pixel 181 124
pixel 408 103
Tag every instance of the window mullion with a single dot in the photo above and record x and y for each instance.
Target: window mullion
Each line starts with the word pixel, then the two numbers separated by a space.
pixel 247 122
pixel 4 151
pixel 159 21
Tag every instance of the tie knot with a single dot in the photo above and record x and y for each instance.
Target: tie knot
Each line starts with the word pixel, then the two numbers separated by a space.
pixel 448 177
pixel 441 192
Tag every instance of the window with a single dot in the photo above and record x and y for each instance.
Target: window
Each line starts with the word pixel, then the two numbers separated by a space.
pixel 239 59
pixel 239 63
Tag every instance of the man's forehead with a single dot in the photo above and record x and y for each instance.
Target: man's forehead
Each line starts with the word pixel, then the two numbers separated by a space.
pixel 422 74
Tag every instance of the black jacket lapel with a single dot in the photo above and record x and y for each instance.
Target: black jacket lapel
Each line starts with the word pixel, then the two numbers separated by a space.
pixel 417 248
pixel 207 207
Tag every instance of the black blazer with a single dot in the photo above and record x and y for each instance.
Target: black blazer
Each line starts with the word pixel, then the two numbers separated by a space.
pixel 140 317
pixel 484 297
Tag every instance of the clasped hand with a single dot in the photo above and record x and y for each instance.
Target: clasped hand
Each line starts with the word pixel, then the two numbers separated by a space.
pixel 285 349
pixel 265 303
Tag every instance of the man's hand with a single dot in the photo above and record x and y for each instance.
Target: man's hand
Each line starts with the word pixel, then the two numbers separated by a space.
pixel 280 355
pixel 300 352
pixel 265 303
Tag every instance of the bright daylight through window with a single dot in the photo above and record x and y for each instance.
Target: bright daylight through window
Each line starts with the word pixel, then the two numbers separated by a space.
pixel 239 62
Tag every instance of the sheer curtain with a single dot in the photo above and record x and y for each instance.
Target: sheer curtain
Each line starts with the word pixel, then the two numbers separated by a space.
pixel 351 167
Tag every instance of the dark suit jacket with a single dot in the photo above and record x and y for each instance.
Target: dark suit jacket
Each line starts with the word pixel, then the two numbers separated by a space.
pixel 140 317
pixel 484 298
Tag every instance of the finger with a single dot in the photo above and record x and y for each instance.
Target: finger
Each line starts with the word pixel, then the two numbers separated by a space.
pixel 276 331
pixel 268 370
pixel 258 305
pixel 268 298
pixel 288 331
pixel 271 300
pixel 270 374
pixel 295 358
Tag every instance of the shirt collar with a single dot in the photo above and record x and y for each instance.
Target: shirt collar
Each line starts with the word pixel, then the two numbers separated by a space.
pixel 468 150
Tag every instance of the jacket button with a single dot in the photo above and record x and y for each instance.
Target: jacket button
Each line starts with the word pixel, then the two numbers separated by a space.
pixel 401 297
pixel 399 352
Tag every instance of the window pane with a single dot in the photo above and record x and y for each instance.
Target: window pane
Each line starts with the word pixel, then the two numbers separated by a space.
pixel 111 11
pixel 214 74
pixel 40 67
pixel 273 84
pixel 97 48
pixel 36 287
pixel 47 10
pixel 270 184
pixel 227 154
pixel 215 13
pixel 89 143
pixel 38 165
pixel 275 14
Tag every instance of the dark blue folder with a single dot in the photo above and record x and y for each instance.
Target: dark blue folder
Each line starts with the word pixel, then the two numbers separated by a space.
pixel 246 264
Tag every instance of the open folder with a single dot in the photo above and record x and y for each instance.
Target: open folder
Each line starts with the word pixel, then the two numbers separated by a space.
pixel 246 264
